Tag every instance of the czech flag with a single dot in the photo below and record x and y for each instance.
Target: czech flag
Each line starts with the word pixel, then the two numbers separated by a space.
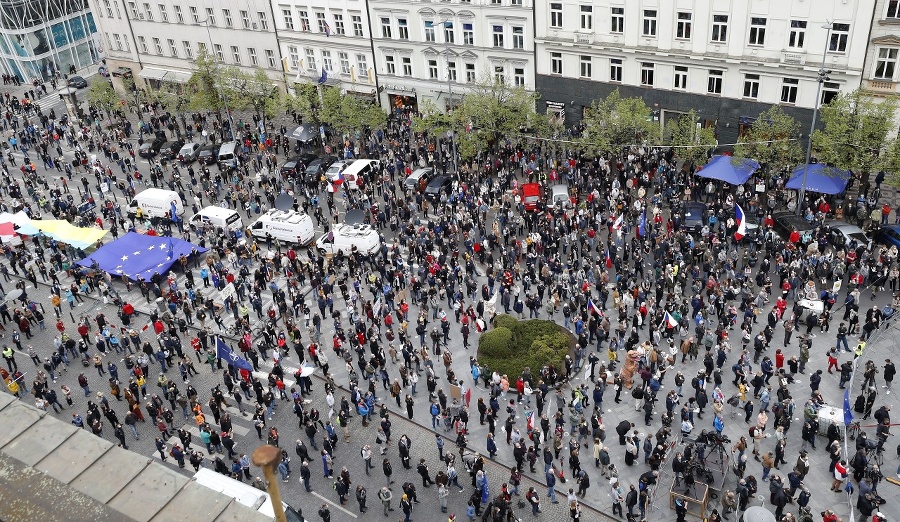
pixel 669 320
pixel 529 421
pixel 741 223
pixel 617 224
pixel 339 180
pixel 608 259
pixel 593 308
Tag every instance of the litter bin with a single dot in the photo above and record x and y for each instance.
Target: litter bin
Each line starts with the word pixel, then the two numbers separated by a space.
pixel 161 305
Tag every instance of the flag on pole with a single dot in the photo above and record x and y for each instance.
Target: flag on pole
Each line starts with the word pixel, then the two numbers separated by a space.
pixel 642 226
pixel 529 421
pixel 233 359
pixel 593 308
pixel 324 77
pixel 669 320
pixel 327 29
pixel 617 224
pixel 848 412
pixel 741 222
pixel 174 212
pixel 609 262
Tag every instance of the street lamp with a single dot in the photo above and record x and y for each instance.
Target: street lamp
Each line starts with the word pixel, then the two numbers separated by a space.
pixel 821 78
pixel 444 23
pixel 205 22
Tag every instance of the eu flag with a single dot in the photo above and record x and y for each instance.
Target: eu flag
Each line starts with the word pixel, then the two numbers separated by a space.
pixel 848 412
pixel 642 226
pixel 233 359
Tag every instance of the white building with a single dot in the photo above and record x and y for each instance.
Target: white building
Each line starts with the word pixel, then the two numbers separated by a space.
pixel 317 36
pixel 425 50
pixel 727 59
pixel 160 39
pixel 881 73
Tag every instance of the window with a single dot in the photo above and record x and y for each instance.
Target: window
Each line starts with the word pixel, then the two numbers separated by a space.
pixel 118 41
pixel 385 27
pixel 245 19
pixel 263 22
pixel 270 57
pixel 202 46
pixel 585 63
pixel 389 64
pixel 757 31
pixel 148 11
pixel 236 54
pixel 519 77
pixel 143 43
pixel 798 34
pixel 647 70
pixel 714 84
pixel 326 61
pixel 195 15
pixel 251 53
pixel 339 24
pixel 681 75
pixel 470 72
pixel 311 60
pixel 893 9
pixel 133 8
pixel 617 21
pixel 683 27
pixel 304 21
pixel 449 34
pixel 173 49
pixel 615 70
pixel 498 36
pixel 357 25
pixel 163 15
pixel 556 63
pixel 556 15
pixel 432 69
pixel 226 14
pixel 109 12
pixel 468 35
pixel 288 19
pixel 719 29
pixel 403 29
pixel 344 59
pixel 429 31
pixel 515 2
pixel 649 22
pixel 211 15
pixel 407 66
pixel 886 64
pixel 518 37
pixel 157 44
pixel 178 14
pixel 587 17
pixel 499 74
pixel 188 51
pixel 362 65
pixel 293 56
pixel 789 90
pixel 829 91
pixel 751 86
pixel 321 24
pixel 451 70
pixel 839 35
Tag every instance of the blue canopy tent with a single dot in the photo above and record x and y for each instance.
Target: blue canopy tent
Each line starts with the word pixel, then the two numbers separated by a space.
pixel 134 255
pixel 729 169
pixel 820 178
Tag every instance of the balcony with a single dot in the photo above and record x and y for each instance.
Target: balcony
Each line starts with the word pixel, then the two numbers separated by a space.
pixel 881 86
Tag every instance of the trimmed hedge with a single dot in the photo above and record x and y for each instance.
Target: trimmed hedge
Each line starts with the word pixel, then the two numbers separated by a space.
pixel 514 345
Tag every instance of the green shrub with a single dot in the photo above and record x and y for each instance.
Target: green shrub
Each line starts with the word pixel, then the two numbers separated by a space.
pixel 514 345
pixel 496 343
pixel 506 321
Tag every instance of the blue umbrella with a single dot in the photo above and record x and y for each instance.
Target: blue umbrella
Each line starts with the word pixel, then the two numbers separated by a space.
pixel 820 178
pixel 729 169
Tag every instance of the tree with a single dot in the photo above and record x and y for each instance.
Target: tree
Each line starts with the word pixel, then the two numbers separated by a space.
pixel 772 141
pixel 349 114
pixel 305 101
pixel 491 110
pixel 616 122
pixel 245 91
pixel 692 143
pixel 855 133
pixel 205 84
pixel 102 96
pixel 434 122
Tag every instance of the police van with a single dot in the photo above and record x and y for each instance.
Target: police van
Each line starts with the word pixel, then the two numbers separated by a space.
pixel 286 225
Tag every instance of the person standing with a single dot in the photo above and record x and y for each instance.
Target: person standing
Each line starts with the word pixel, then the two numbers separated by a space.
pixel 325 513
pixel 889 372
pixel 361 498
pixel 618 495
pixel 388 470
pixel 385 496
pixel 443 493
pixel 366 454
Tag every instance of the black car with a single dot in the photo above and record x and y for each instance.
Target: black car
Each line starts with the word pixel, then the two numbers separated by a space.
pixel 318 166
pixel 77 81
pixel 207 154
pixel 787 222
pixel 152 148
pixel 437 186
pixel 694 216
pixel 294 164
pixel 169 150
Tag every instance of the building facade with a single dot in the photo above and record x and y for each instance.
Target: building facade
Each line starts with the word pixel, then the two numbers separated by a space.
pixel 327 43
pixel 160 39
pixel 727 59
pixel 431 51
pixel 41 37
pixel 881 72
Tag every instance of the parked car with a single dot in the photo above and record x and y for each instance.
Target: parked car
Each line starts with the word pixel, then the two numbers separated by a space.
pixel 334 171
pixel 437 186
pixel 318 166
pixel 787 222
pixel 149 149
pixel 169 150
pixel 888 235
pixel 843 233
pixel 693 216
pixel 207 154
pixel 188 153
pixel 533 197
pixel 419 179
pixel 292 166
pixel 77 81
pixel 123 72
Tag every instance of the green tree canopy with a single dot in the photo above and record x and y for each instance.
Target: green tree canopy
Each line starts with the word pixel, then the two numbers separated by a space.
pixel 773 141
pixel 349 114
pixel 855 133
pixel 615 122
pixel 692 142
pixel 102 96
pixel 250 91
pixel 491 110
pixel 305 101
pixel 204 85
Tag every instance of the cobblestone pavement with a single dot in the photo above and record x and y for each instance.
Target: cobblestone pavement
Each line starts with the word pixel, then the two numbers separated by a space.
pixel 596 502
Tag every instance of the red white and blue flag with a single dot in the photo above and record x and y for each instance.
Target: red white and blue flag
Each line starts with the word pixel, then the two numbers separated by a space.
pixel 617 224
pixel 593 308
pixel 609 262
pixel 529 421
pixel 740 221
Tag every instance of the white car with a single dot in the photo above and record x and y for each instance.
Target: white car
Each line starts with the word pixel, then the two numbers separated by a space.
pixel 335 170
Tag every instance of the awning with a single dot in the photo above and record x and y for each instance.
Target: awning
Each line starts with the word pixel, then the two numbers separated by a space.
pixel 164 75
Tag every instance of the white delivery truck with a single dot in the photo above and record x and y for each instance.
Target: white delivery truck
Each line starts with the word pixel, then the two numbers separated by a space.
pixel 156 202
pixel 217 217
pixel 243 494
pixel 286 225
pixel 343 238
pixel 361 168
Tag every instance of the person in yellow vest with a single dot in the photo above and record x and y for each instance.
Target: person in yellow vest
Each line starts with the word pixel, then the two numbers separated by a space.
pixel 10 357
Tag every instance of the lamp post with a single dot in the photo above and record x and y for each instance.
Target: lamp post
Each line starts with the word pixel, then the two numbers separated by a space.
pixel 444 23
pixel 205 22
pixel 821 78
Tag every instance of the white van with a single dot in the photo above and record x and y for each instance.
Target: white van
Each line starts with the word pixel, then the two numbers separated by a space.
pixel 217 217
pixel 243 494
pixel 286 225
pixel 227 155
pixel 360 168
pixel 343 238
pixel 156 202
